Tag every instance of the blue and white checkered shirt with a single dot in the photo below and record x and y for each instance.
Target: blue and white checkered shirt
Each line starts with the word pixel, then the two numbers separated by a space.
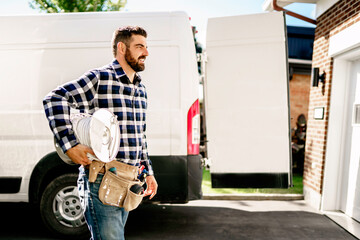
pixel 106 87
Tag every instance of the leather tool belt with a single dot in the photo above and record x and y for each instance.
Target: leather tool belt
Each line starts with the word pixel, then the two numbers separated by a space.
pixel 115 186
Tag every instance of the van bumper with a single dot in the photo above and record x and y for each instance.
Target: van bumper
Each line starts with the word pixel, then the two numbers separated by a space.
pixel 179 178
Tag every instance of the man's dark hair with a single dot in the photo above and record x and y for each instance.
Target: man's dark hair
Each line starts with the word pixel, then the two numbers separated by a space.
pixel 124 35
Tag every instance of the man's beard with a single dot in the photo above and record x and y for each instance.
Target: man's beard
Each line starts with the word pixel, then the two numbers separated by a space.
pixel 134 64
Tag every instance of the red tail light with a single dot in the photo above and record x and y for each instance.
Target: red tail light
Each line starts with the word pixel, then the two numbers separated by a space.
pixel 193 129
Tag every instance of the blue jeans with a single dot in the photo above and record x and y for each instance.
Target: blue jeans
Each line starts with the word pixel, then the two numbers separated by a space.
pixel 104 222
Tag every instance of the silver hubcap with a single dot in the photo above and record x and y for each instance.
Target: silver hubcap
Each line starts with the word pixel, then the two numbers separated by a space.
pixel 67 207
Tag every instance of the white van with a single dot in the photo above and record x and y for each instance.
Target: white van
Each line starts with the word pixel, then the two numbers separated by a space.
pixel 246 64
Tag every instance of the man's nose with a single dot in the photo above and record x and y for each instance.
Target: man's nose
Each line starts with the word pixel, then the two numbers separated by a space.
pixel 146 52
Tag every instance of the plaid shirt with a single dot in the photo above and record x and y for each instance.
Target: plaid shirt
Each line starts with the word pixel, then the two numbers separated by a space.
pixel 106 87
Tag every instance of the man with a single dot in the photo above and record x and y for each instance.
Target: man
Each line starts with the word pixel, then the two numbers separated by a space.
pixel 118 88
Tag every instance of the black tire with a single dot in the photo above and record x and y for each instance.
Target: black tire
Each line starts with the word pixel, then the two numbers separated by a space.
pixel 60 208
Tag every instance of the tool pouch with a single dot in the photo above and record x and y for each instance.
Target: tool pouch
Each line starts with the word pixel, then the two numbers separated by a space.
pixel 115 191
pixel 123 170
pixel 115 188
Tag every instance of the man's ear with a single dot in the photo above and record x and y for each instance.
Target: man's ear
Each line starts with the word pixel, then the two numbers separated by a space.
pixel 121 48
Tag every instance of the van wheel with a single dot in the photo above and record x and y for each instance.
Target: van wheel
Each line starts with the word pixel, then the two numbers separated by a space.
pixel 61 210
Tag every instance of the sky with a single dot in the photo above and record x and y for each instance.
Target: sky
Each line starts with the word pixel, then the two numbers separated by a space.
pixel 198 10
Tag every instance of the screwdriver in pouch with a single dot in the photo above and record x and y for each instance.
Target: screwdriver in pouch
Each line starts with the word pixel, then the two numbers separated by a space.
pixel 113 170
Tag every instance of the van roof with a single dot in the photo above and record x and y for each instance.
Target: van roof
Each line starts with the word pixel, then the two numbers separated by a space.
pixel 79 27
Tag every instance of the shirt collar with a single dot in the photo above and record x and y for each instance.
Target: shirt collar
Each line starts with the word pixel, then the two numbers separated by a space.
pixel 121 75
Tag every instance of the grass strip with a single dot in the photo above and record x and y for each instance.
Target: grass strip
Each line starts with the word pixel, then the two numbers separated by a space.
pixel 207 189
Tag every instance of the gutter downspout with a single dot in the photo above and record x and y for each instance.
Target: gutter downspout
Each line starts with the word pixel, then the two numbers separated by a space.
pixel 301 17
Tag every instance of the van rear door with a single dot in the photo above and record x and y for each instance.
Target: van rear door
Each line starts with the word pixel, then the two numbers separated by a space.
pixel 247 101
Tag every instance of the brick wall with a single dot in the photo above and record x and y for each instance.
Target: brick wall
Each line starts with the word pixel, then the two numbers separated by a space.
pixel 299 97
pixel 340 16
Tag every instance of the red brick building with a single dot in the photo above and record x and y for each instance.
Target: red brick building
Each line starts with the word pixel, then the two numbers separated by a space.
pixel 300 45
pixel 332 168
pixel 299 97
pixel 339 17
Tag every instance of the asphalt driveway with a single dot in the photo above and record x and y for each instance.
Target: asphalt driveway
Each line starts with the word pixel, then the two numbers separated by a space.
pixel 204 219
pixel 233 220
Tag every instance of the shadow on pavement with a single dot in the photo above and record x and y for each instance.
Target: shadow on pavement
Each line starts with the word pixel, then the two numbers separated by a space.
pixel 21 221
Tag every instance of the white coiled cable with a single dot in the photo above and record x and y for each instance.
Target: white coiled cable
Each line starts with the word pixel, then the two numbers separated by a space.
pixel 99 131
pixel 81 127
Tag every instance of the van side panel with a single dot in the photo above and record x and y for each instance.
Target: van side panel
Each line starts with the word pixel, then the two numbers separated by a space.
pixel 247 101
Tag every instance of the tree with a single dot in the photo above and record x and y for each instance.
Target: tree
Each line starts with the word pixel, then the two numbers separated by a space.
pixel 56 6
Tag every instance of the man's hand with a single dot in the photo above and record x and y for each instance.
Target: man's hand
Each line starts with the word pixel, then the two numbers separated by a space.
pixel 151 186
pixel 78 153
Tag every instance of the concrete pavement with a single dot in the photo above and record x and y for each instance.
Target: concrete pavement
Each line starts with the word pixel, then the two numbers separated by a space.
pixel 254 197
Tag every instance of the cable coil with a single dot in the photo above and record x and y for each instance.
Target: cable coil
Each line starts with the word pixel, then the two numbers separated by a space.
pixel 99 131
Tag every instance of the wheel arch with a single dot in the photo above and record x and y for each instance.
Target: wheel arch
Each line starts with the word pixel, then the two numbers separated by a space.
pixel 47 169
